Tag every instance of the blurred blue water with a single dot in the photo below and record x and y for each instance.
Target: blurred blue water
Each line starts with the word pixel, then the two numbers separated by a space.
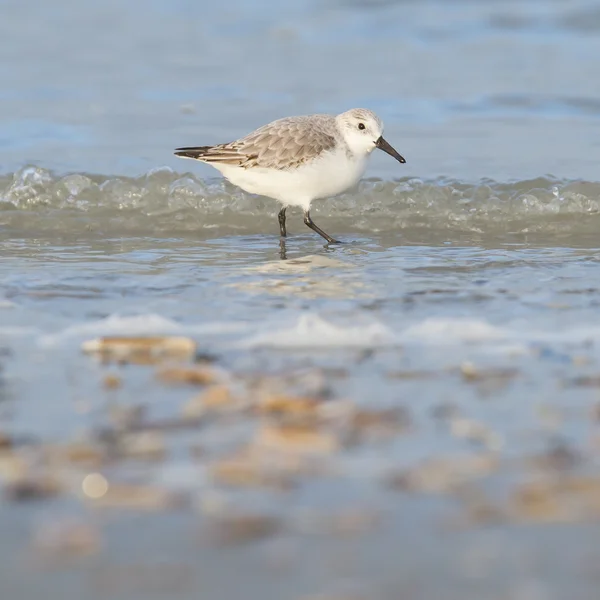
pixel 466 89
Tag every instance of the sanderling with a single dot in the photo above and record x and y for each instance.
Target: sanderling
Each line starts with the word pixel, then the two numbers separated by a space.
pixel 296 160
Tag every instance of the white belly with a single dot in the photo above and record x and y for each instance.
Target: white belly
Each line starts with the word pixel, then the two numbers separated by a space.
pixel 329 176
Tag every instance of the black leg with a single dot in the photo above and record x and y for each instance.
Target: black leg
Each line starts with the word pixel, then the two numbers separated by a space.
pixel 282 249
pixel 281 216
pixel 314 227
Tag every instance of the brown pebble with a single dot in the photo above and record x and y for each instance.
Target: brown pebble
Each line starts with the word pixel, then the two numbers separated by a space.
pixel 13 467
pixel 32 488
pixel 303 439
pixel 247 469
pixel 440 475
pixel 336 412
pixel 194 375
pixel 293 406
pixel 205 358
pixel 5 441
pixel 194 408
pixel 244 528
pixel 348 521
pixel 111 437
pixel 531 503
pixel 483 512
pixel 79 452
pixel 141 350
pixel 217 396
pixel 112 382
pixel 126 416
pixel 237 471
pixel 408 375
pixel 468 371
pixel 471 373
pixel 138 497
pixel 384 422
pixel 558 458
pixel 565 499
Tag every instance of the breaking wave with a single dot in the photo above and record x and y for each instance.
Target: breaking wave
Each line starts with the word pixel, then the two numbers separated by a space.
pixel 165 202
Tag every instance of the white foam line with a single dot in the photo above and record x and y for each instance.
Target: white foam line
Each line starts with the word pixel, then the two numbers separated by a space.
pixel 311 331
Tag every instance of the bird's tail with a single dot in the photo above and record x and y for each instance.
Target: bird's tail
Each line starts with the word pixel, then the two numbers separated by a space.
pixel 197 152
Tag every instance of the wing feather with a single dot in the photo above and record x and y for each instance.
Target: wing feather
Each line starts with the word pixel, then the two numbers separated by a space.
pixel 283 144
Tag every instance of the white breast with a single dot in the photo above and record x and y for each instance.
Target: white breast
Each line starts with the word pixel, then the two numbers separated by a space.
pixel 329 175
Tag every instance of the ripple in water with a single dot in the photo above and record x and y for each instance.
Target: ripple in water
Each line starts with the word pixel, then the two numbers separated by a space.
pixel 165 202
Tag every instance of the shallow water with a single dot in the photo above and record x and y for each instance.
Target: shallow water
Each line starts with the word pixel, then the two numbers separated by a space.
pixel 465 293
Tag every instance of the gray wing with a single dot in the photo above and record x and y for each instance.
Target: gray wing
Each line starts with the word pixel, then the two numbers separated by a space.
pixel 282 144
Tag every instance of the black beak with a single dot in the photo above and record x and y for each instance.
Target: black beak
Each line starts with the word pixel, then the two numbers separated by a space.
pixel 383 145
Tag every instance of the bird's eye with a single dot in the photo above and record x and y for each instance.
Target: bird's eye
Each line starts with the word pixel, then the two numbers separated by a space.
pixel 361 125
